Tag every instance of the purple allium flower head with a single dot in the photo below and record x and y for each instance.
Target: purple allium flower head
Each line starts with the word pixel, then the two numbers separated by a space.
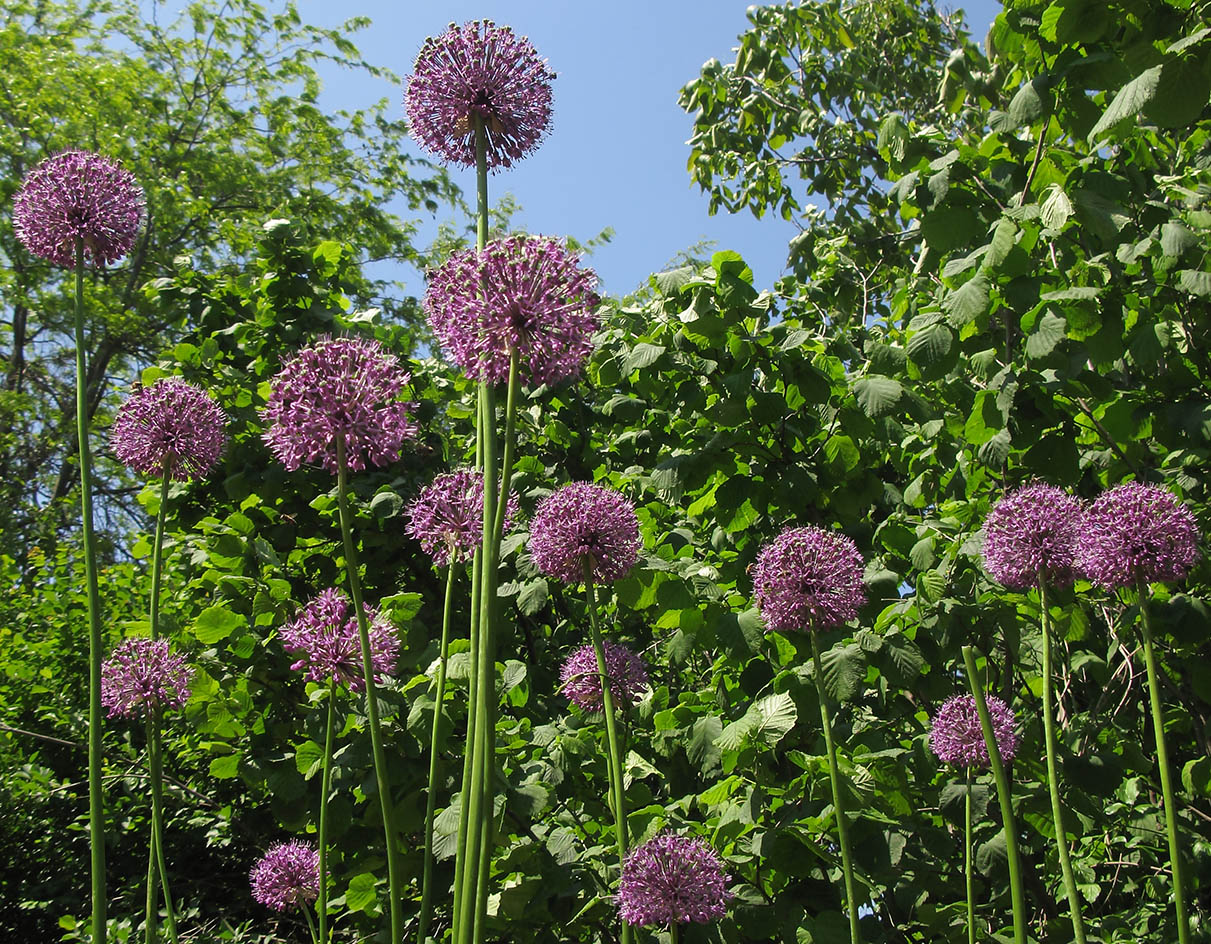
pixel 170 429
pixel 1136 531
pixel 143 674
pixel 527 294
pixel 582 523
pixel 78 195
pixel 325 636
pixel 581 681
pixel 672 879
pixel 957 738
pixel 288 874
pixel 446 517
pixel 479 69
pixel 338 387
pixel 1032 531
pixel 808 578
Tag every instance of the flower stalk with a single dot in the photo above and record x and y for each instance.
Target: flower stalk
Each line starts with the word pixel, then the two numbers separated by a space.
pixel 321 907
pixel 967 870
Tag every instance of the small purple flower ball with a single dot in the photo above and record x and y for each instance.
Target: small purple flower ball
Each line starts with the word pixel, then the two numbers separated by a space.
pixel 142 675
pixel 171 429
pixel 527 294
pixel 807 579
pixel 672 879
pixel 1137 532
pixel 78 195
pixel 339 388
pixel 583 523
pixel 325 636
pixel 957 738
pixel 288 874
pixel 581 681
pixel 446 516
pixel 479 69
pixel 1032 532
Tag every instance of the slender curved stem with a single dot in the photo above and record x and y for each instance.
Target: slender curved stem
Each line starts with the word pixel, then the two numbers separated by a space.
pixel 1162 761
pixel 1003 797
pixel 152 911
pixel 156 772
pixel 439 698
pixel 967 871
pixel 310 924
pixel 834 776
pixel 1053 778
pixel 96 796
pixel 376 738
pixel 321 906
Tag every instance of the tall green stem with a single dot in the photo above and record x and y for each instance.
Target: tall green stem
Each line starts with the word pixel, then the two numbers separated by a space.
pixel 151 911
pixel 157 817
pixel 321 906
pixel 967 871
pixel 426 901
pixel 376 739
pixel 834 776
pixel 1003 797
pixel 1053 779
pixel 310 924
pixel 1162 761
pixel 96 798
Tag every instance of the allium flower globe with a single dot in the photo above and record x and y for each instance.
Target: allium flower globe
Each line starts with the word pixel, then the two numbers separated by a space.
pixel 581 682
pixel 287 874
pixel 142 675
pixel 339 388
pixel 479 69
pixel 171 429
pixel 527 294
pixel 324 634
pixel 672 879
pixel 446 516
pixel 1033 531
pixel 583 523
pixel 808 578
pixel 78 195
pixel 1137 532
pixel 957 738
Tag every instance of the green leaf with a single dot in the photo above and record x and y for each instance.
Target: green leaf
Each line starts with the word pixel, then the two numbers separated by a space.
pixel 877 394
pixel 991 856
pixel 1176 239
pixel 225 767
pixel 776 715
pixel 1048 332
pixel 968 302
pixel 642 355
pixel 929 347
pixel 1128 102
pixel 1181 94
pixel 386 505
pixel 701 747
pixel 1032 102
pixel 1056 209
pixel 844 670
pixel 214 624
pixel 362 893
pixel 1195 281
pixel 922 555
pixel 841 451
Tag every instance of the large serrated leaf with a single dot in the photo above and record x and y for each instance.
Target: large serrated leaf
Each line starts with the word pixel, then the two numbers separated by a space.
pixel 1128 102
pixel 1048 332
pixel 642 355
pixel 844 670
pixel 1056 209
pixel 1195 281
pixel 215 623
pixel 929 346
pixel 967 302
pixel 775 716
pixel 877 394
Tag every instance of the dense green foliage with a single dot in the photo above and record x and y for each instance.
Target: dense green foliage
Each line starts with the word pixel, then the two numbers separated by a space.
pixel 1008 280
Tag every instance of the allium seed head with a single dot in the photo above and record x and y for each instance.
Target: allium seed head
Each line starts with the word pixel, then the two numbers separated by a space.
pixel 141 675
pixel 171 429
pixel 1137 532
pixel 346 388
pixel 446 516
pixel 957 738
pixel 527 294
pixel 324 634
pixel 78 195
pixel 582 523
pixel 808 578
pixel 288 874
pixel 672 879
pixel 581 681
pixel 479 69
pixel 1032 532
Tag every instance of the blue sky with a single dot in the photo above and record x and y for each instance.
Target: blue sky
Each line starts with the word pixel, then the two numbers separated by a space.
pixel 616 155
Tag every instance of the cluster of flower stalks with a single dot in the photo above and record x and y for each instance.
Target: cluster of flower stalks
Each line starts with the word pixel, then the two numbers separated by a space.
pixel 514 313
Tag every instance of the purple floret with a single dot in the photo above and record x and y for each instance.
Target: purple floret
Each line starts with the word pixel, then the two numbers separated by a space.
pixel 142 675
pixel 583 523
pixel 808 579
pixel 1031 533
pixel 324 634
pixel 288 874
pixel 580 679
pixel 446 517
pixel 479 69
pixel 171 429
pixel 672 879
pixel 1137 532
pixel 957 738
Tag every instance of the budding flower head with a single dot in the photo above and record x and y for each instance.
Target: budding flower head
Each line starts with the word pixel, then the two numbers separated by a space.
pixel 583 523
pixel 142 675
pixel 672 879
pixel 523 294
pixel 345 389
pixel 1032 533
pixel 288 874
pixel 479 70
pixel 171 429
pixel 1137 532
pixel 78 196
pixel 446 516
pixel 326 638
pixel 581 681
pixel 808 578
pixel 957 738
